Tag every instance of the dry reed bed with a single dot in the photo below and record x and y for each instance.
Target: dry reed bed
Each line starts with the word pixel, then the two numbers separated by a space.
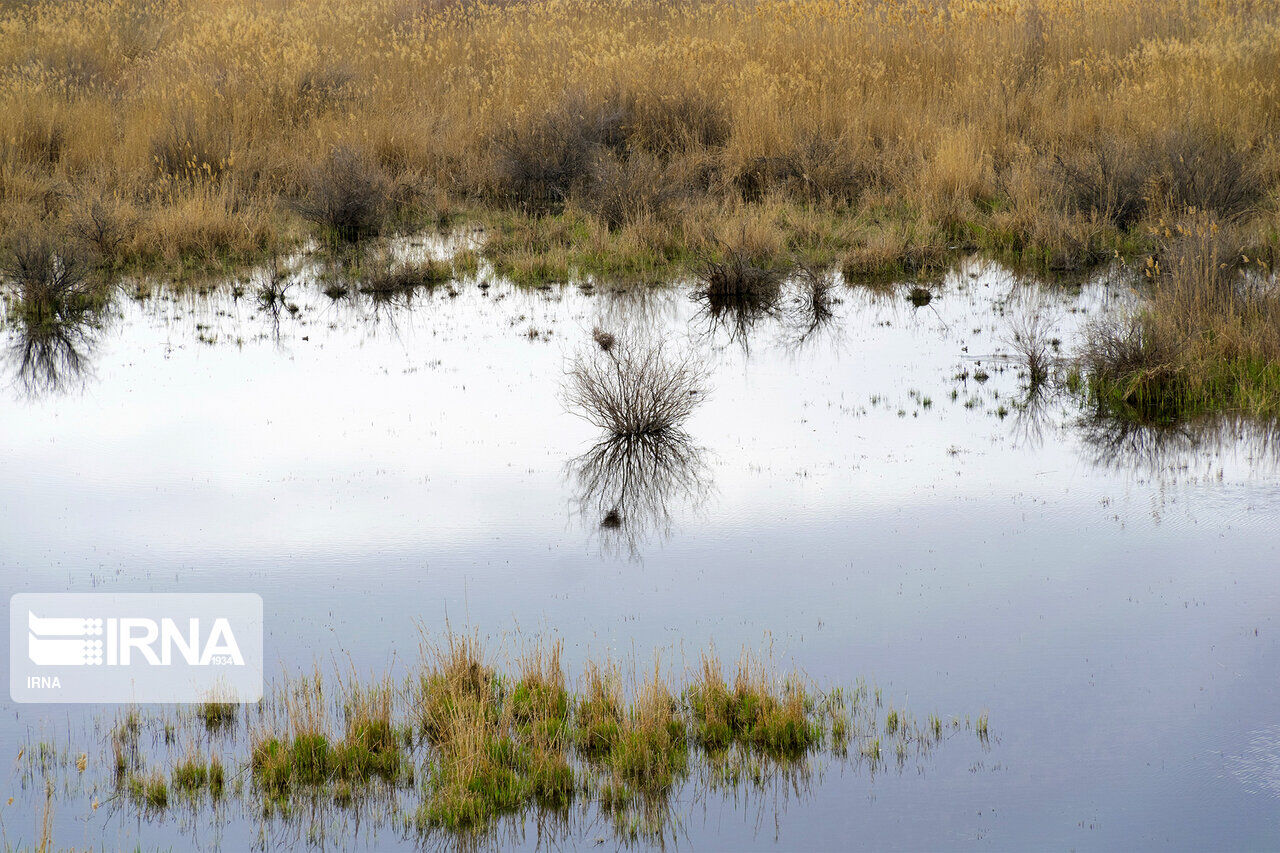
pixel 460 744
pixel 176 129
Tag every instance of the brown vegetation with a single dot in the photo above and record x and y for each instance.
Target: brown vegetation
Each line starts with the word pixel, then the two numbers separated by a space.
pixel 1049 129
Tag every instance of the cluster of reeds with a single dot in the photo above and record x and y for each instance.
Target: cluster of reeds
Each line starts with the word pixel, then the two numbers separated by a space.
pixel 1206 338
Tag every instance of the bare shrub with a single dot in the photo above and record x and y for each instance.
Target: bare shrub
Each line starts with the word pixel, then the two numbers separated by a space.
pixel 1121 180
pixel 1201 168
pixel 540 163
pixel 615 148
pixel 621 189
pixel 56 313
pixel 1105 177
pixel 738 278
pixel 1031 337
pixel 410 276
pixel 105 223
pixel 679 123
pixel 53 279
pixel 635 388
pixel 741 280
pixel 348 195
pixel 819 165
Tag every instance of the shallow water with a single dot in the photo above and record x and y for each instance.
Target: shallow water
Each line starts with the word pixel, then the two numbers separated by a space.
pixel 1109 598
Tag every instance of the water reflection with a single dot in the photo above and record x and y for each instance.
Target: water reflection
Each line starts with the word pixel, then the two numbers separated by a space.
pixel 627 487
pixel 53 355
pixel 800 311
pixel 1033 416
pixel 1123 445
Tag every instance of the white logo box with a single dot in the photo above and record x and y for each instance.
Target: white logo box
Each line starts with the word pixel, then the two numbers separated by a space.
pixel 135 647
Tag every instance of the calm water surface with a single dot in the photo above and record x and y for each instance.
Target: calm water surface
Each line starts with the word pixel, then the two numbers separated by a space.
pixel 851 497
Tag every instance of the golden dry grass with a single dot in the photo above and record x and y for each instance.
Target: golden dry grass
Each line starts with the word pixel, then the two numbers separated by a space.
pixel 193 127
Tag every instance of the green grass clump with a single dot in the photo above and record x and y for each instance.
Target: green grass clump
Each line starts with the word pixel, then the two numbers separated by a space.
pixel 149 792
pixel 482 778
pixel 753 713
pixel 194 775
pixel 500 747
pixel 372 748
pixel 597 716
pixel 217 715
pixel 642 746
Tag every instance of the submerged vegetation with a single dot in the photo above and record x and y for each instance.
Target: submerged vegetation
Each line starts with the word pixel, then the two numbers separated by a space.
pixel 460 744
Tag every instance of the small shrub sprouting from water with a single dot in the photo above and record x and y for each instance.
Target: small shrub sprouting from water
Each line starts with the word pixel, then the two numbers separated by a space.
pixel 53 279
pixel 635 388
pixel 738 279
pixel 1031 337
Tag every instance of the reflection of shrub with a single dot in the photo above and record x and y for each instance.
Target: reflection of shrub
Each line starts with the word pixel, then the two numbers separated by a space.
pixel 347 195
pixel 635 389
pixel 630 485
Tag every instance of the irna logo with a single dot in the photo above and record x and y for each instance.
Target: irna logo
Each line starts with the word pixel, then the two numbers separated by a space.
pixel 94 641
pixel 131 647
